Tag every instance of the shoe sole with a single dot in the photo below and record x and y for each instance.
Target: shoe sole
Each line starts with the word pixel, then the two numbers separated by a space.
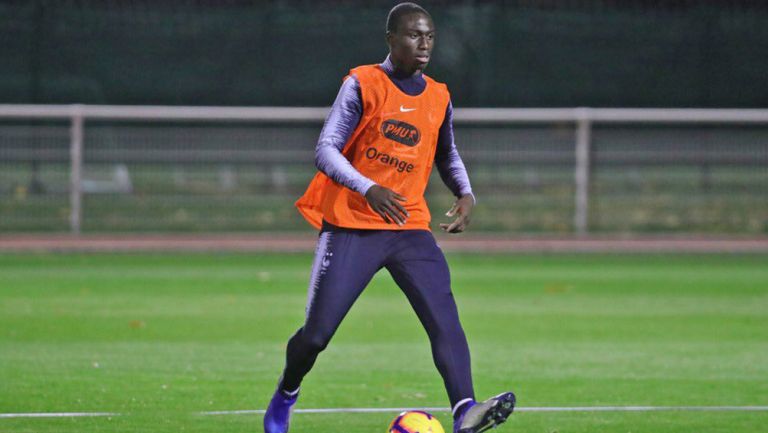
pixel 501 409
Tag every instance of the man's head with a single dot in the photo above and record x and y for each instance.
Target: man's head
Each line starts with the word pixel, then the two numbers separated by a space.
pixel 410 36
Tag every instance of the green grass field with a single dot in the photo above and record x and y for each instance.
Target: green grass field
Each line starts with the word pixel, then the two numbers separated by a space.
pixel 160 338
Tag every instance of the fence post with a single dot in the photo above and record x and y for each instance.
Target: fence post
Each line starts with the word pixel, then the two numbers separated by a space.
pixel 75 171
pixel 582 170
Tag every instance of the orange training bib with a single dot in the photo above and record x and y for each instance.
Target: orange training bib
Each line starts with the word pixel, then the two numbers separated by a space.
pixel 393 145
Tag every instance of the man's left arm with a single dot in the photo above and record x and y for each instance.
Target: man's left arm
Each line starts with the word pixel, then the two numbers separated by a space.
pixel 454 175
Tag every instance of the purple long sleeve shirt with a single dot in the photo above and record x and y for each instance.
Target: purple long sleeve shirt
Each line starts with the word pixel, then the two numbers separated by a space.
pixel 345 115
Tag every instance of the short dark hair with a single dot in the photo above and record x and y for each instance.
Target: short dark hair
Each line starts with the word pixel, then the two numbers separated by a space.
pixel 401 10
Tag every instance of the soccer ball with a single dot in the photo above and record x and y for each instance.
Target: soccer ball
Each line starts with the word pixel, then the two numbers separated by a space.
pixel 415 421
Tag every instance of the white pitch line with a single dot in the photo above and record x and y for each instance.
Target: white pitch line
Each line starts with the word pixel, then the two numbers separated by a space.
pixel 517 409
pixel 57 414
pixel 428 409
pixel 644 409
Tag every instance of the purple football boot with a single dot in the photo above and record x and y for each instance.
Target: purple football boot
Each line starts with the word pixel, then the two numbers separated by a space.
pixel 278 415
pixel 479 417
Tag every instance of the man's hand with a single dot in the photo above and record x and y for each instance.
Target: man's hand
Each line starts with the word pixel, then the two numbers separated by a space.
pixel 463 208
pixel 385 202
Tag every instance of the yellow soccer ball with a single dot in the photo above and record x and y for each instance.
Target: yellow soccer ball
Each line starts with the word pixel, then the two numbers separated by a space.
pixel 415 421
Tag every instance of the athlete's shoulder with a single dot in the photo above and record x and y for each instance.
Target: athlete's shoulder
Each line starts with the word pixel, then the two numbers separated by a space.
pixel 366 71
pixel 439 89
pixel 437 84
pixel 373 85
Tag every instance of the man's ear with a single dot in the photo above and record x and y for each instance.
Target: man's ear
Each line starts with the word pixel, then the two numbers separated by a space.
pixel 387 38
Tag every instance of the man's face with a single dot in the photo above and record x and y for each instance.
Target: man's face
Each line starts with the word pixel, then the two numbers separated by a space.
pixel 411 44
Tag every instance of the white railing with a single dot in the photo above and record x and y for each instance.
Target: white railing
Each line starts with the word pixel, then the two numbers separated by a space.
pixel 581 118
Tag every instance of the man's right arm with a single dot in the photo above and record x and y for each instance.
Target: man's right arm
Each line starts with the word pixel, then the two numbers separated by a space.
pixel 343 119
pixel 341 122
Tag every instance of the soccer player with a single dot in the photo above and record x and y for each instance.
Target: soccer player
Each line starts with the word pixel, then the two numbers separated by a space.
pixel 389 125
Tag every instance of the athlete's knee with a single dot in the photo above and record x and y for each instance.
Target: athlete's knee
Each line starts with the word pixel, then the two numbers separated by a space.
pixel 445 320
pixel 447 330
pixel 316 341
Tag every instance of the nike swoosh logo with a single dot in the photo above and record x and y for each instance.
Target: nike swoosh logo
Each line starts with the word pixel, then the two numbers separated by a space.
pixel 406 110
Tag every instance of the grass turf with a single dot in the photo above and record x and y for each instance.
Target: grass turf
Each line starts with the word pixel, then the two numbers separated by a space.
pixel 160 338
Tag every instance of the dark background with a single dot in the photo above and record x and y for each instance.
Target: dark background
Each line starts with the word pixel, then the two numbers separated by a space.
pixel 294 53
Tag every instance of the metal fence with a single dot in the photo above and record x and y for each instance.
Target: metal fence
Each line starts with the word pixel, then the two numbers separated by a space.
pixel 88 168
